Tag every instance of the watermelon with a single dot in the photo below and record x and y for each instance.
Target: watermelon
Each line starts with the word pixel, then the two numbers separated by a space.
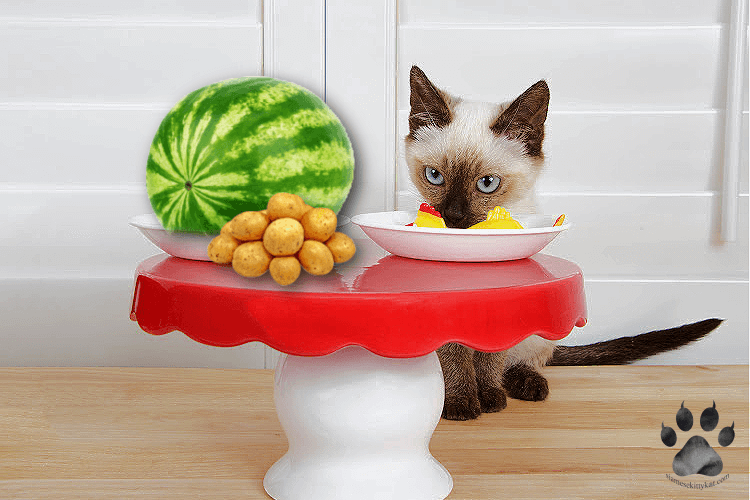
pixel 228 147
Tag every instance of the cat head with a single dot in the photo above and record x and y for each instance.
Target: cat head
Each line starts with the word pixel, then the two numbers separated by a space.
pixel 467 157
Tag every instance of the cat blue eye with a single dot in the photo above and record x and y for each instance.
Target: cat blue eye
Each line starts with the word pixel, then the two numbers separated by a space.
pixel 433 176
pixel 488 184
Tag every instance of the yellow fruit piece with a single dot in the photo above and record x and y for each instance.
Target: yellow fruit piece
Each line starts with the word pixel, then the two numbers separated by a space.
pixel 427 216
pixel 498 218
pixel 427 220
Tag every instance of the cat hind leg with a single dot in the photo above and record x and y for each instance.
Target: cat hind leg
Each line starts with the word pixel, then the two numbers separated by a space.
pixel 523 382
pixel 522 378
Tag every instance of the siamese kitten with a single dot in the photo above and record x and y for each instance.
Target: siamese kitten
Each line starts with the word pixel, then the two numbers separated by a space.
pixel 465 158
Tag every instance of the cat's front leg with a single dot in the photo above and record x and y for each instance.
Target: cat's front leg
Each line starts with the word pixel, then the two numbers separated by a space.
pixel 489 369
pixel 461 393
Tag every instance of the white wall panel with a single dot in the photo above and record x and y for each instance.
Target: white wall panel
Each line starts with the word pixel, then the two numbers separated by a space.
pixel 633 152
pixel 132 64
pixel 648 237
pixel 71 232
pixel 53 144
pixel 294 43
pixel 555 12
pixel 86 322
pixel 183 10
pixel 360 78
pixel 618 309
pixel 586 68
pixel 744 173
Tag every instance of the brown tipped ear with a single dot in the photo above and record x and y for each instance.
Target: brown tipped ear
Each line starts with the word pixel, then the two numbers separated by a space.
pixel 429 106
pixel 524 118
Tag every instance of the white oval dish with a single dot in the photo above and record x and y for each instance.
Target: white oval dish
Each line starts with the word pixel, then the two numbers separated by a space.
pixel 193 246
pixel 389 230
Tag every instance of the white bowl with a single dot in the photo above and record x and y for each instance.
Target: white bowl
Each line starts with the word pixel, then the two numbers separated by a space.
pixel 191 246
pixel 389 230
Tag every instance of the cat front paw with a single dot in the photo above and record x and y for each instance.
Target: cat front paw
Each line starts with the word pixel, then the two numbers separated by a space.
pixel 492 399
pixel 463 407
pixel 523 382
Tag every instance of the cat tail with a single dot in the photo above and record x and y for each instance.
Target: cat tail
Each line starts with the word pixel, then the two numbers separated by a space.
pixel 628 349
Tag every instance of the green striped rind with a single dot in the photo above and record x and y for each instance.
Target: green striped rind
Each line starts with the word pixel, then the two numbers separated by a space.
pixel 228 147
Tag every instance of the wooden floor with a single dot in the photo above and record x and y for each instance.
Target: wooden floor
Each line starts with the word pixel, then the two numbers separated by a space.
pixel 204 434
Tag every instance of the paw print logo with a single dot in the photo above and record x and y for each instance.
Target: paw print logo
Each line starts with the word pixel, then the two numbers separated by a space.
pixel 697 456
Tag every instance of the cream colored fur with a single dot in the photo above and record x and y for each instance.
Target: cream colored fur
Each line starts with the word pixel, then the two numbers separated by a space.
pixel 468 138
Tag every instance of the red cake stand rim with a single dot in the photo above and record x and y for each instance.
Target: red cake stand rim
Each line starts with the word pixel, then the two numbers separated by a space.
pixel 390 324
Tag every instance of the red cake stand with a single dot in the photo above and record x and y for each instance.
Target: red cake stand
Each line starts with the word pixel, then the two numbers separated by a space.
pixel 359 390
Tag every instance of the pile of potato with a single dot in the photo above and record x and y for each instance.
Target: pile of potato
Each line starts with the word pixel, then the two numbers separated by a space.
pixel 287 236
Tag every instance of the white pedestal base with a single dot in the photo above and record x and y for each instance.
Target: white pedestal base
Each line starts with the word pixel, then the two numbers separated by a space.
pixel 358 426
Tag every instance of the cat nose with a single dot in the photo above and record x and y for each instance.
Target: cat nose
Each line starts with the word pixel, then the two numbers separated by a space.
pixel 454 216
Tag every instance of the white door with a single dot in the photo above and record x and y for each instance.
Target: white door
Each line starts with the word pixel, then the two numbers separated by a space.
pixel 635 142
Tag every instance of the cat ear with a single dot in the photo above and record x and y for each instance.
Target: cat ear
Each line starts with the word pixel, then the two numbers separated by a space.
pixel 524 118
pixel 429 106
